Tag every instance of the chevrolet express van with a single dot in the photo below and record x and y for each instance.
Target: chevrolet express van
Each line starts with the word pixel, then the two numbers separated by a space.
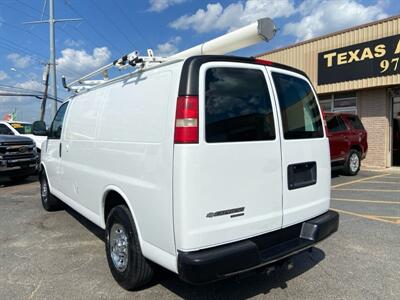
pixel 208 166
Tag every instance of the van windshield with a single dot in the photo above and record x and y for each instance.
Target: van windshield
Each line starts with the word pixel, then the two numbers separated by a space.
pixel 299 109
pixel 238 106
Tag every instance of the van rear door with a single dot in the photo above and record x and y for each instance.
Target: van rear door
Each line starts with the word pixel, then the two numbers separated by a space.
pixel 305 149
pixel 228 186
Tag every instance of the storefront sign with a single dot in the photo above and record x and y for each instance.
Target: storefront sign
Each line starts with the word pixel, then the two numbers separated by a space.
pixel 370 59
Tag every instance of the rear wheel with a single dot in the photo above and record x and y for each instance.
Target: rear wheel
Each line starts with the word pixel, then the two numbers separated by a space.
pixel 49 202
pixel 127 264
pixel 353 163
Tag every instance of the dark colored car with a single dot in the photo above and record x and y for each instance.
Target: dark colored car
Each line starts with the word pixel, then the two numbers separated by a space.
pixel 18 157
pixel 347 141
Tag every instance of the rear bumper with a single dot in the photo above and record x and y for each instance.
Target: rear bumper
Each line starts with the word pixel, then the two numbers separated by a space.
pixel 219 262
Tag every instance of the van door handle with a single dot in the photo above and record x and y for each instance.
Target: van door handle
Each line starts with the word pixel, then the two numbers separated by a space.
pixel 59 149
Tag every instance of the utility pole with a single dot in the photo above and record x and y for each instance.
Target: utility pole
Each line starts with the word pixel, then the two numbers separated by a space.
pixel 46 87
pixel 53 56
pixel 52 60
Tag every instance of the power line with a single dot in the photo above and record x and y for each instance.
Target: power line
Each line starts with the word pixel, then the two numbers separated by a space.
pixel 43 13
pixel 17 9
pixel 18 50
pixel 5 86
pixel 112 45
pixel 85 37
pixel 132 24
pixel 43 9
pixel 31 7
pixel 25 50
pixel 21 51
pixel 118 29
pixel 29 95
pixel 24 30
pixel 33 17
pixel 13 89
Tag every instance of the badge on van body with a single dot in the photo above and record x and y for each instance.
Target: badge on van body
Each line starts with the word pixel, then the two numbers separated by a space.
pixel 234 212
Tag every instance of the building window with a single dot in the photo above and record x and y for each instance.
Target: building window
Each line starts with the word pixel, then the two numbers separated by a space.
pixel 339 102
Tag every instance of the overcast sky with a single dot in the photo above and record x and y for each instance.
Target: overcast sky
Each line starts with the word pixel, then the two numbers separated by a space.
pixel 112 28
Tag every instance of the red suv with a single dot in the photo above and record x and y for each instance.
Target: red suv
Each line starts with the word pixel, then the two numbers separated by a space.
pixel 347 141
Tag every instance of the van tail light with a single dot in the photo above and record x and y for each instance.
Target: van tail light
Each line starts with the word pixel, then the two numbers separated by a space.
pixel 187 120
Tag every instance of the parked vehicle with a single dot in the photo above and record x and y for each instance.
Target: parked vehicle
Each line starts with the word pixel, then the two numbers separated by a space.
pixel 189 164
pixel 18 157
pixel 21 128
pixel 347 141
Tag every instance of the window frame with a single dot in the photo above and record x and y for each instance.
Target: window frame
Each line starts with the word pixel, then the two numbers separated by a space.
pixel 50 136
pixel 202 98
pixel 272 70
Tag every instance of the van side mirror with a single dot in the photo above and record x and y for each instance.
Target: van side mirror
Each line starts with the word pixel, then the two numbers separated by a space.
pixel 39 128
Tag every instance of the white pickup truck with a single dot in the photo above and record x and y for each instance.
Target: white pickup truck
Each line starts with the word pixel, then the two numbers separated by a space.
pixel 21 128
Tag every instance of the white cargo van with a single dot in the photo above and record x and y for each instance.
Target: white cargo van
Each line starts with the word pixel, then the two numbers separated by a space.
pixel 207 166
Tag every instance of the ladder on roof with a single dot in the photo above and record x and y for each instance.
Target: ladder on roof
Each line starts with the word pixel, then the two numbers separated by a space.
pixel 262 30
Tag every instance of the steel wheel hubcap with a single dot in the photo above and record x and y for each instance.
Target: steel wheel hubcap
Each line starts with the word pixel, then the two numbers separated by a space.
pixel 119 247
pixel 354 162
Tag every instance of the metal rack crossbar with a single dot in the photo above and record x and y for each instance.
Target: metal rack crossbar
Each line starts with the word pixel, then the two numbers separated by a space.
pixel 129 60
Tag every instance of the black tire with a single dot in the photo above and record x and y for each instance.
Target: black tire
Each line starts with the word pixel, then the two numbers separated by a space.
pixel 353 163
pixel 49 202
pixel 131 269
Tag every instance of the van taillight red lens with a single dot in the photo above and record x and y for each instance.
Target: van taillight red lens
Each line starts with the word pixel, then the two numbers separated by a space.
pixel 187 120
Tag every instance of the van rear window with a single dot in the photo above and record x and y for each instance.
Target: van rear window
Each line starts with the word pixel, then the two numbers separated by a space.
pixel 238 106
pixel 299 110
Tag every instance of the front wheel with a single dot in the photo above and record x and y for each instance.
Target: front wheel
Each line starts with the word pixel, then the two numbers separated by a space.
pixel 127 264
pixel 353 163
pixel 49 202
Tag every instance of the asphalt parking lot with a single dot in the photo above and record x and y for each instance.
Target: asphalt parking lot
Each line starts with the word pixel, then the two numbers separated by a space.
pixel 60 255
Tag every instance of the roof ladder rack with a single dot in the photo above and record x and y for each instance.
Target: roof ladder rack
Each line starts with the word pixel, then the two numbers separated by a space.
pixel 129 60
pixel 262 30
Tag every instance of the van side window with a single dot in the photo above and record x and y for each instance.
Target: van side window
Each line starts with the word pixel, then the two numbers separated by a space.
pixel 238 106
pixel 56 126
pixel 300 114
pixel 5 130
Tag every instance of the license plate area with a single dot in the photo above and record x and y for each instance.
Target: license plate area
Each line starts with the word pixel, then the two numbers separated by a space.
pixel 302 175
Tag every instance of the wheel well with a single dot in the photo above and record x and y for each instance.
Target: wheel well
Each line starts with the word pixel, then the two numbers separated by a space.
pixel 112 199
pixel 42 171
pixel 357 147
